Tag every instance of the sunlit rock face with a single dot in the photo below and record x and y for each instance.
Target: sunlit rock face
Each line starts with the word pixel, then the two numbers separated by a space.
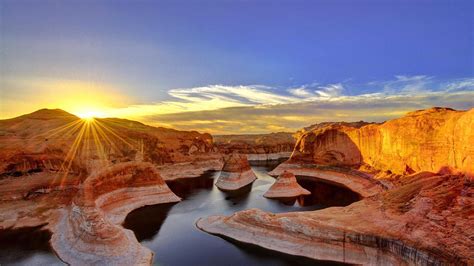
pixel 52 149
pixel 286 186
pixel 428 140
pixel 236 173
pixel 89 231
pixel 257 147
pixel 415 175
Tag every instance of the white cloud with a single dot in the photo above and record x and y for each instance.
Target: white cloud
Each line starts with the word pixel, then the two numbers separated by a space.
pixel 300 92
pixel 259 108
pixel 331 90
pixel 461 84
pixel 250 94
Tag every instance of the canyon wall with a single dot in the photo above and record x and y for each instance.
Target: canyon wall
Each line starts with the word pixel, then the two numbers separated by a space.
pixel 258 147
pixel 436 139
pixel 420 213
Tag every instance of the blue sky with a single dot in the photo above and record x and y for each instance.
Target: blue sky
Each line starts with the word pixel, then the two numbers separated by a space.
pixel 153 52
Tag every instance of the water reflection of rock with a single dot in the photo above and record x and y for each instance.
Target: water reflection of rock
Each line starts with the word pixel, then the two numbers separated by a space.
pixel 183 187
pixel 239 196
pixel 147 221
pixel 26 245
pixel 325 193
pixel 200 197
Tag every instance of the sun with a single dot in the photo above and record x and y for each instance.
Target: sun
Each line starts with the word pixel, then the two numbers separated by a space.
pixel 89 115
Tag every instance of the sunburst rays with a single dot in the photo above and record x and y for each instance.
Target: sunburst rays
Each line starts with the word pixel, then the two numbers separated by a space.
pixel 91 143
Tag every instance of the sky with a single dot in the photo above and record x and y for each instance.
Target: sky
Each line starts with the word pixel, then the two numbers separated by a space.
pixel 236 66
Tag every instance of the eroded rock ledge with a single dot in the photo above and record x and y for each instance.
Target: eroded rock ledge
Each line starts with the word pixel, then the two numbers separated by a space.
pixel 89 232
pixel 362 183
pixel 286 186
pixel 428 220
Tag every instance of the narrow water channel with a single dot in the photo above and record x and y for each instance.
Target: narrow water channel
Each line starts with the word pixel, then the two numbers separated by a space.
pixel 169 229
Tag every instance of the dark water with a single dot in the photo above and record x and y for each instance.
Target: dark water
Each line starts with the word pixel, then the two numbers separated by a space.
pixel 26 246
pixel 169 230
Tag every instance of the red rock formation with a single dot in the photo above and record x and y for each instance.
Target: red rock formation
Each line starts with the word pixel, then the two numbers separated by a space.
pixel 257 147
pixel 427 140
pixel 47 155
pixel 236 173
pixel 90 232
pixel 286 186
pixel 358 181
pixel 422 218
pixel 317 126
pixel 426 221
pixel 52 149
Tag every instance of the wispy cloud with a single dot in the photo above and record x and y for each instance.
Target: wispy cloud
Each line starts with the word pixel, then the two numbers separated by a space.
pixel 315 91
pixel 261 109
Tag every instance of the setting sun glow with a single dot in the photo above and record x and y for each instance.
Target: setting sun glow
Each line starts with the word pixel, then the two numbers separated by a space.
pixel 89 114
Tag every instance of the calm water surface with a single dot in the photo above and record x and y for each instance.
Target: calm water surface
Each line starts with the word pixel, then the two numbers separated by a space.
pixel 169 229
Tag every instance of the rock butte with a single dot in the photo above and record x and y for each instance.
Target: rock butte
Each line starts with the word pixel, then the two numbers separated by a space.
pixel 286 186
pixel 416 174
pixel 236 173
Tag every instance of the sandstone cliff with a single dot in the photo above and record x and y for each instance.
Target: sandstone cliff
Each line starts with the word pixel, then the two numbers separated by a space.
pixel 436 139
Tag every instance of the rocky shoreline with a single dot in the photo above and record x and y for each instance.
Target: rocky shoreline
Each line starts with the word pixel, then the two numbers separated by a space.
pixel 416 179
pixel 342 233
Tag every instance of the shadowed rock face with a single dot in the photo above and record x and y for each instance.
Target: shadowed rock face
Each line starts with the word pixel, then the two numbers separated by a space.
pixel 411 216
pixel 236 173
pixel 286 186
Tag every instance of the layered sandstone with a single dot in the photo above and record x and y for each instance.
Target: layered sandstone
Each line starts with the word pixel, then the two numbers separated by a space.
pixel 51 150
pixel 415 175
pixel 257 147
pixel 89 232
pixel 428 140
pixel 81 178
pixel 358 181
pixel 429 220
pixel 236 173
pixel 53 141
pixel 286 186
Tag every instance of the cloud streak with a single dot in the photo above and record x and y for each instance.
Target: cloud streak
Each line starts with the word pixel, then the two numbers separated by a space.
pixel 225 109
pixel 314 103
